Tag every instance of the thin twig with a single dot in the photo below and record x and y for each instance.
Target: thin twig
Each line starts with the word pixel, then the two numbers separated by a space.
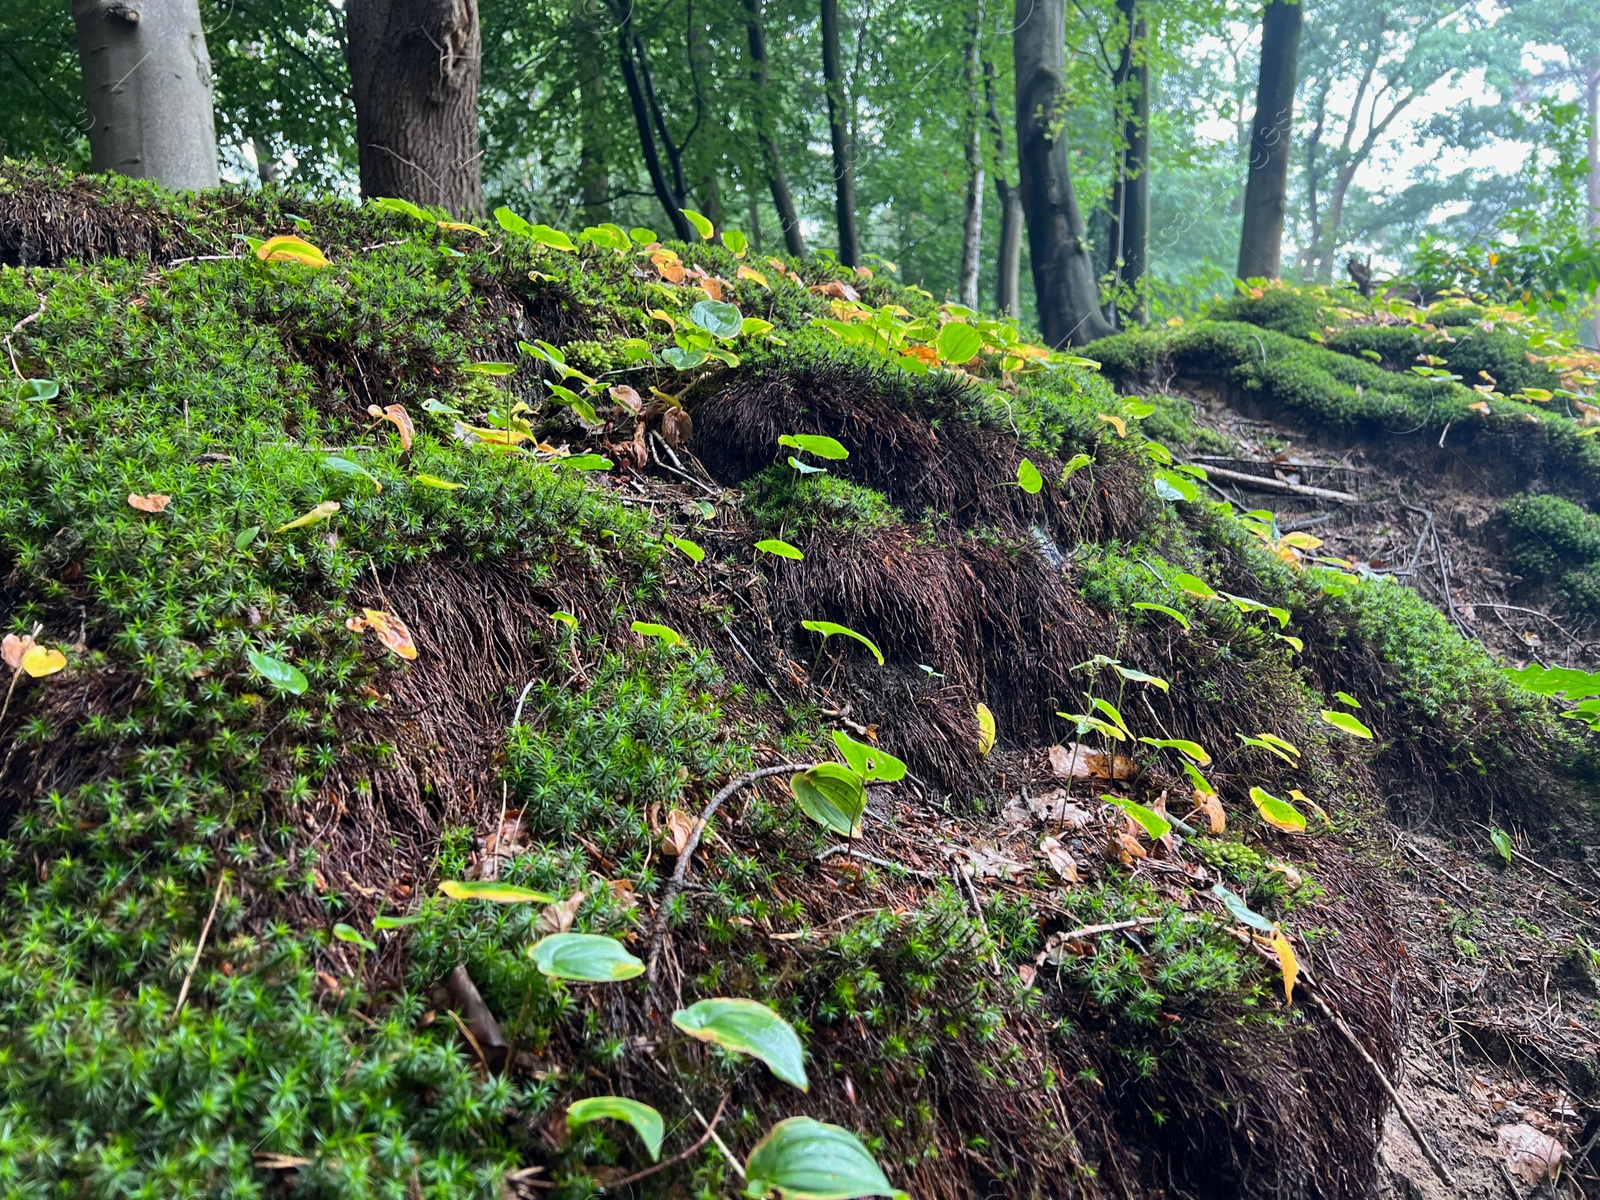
pixel 852 852
pixel 1532 612
pixel 18 328
pixel 188 977
pixel 711 1127
pixel 681 871
pixel 971 893
pixel 1114 927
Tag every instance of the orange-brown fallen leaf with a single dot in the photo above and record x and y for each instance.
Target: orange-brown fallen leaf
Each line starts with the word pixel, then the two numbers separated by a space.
pixel 153 503
pixel 401 419
pixel 391 630
pixel 558 917
pixel 676 833
pixel 1059 858
pixel 1077 761
pixel 1208 806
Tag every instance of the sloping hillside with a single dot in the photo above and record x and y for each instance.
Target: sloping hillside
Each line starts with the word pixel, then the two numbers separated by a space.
pixel 414 555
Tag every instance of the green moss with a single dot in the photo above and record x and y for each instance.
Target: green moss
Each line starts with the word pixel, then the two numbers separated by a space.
pixel 1287 310
pixel 782 499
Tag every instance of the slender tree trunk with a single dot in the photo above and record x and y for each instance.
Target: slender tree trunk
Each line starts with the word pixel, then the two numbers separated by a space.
pixel 793 237
pixel 147 90
pixel 1129 250
pixel 1594 171
pixel 1008 258
pixel 844 169
pixel 972 223
pixel 594 179
pixel 1063 274
pixel 647 119
pixel 753 216
pixel 414 68
pixel 1266 192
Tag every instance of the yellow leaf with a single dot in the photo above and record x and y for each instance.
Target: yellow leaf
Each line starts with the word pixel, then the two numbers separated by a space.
pixel 754 276
pixel 1480 406
pixel 320 513
pixel 659 315
pixel 391 630
pixel 1286 962
pixel 1117 423
pixel 40 661
pixel 288 248
pixel 1301 797
pixel 460 227
pixel 1301 541
pixel 986 731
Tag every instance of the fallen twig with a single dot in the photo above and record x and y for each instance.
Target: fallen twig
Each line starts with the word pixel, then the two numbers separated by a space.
pixel 1273 484
pixel 188 976
pixel 971 893
pixel 681 871
pixel 1532 612
pixel 852 852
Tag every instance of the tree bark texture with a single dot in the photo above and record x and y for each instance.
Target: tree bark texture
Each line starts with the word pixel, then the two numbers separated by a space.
pixel 594 176
pixel 972 218
pixel 1064 281
pixel 1130 196
pixel 1592 95
pixel 648 120
pixel 1266 193
pixel 147 90
pixel 844 167
pixel 788 218
pixel 1008 257
pixel 414 67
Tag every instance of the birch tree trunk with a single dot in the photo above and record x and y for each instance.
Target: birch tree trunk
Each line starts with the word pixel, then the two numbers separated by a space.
pixel 972 224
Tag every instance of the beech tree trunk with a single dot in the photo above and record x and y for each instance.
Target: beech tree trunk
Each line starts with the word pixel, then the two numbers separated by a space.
pixel 414 68
pixel 1266 193
pixel 1063 273
pixel 972 221
pixel 1008 259
pixel 793 237
pixel 1130 197
pixel 147 90
pixel 844 168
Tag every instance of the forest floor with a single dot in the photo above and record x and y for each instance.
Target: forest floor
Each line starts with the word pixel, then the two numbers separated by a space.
pixel 1499 1048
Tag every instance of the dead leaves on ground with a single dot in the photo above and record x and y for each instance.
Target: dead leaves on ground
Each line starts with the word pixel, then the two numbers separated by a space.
pixel 1076 761
pixel 396 415
pixel 153 503
pixel 23 654
pixel 391 631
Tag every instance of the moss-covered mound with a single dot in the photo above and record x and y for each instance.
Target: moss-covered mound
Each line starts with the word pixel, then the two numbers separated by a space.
pixel 438 564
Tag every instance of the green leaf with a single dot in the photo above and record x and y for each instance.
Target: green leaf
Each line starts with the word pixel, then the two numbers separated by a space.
pixel 1194 585
pixel 779 547
pixel 736 242
pixel 583 462
pixel 695 553
pixel 490 368
pixel 1075 464
pixel 1261 743
pixel 1239 910
pixel 1162 608
pixel 564 618
pixel 438 409
pixel 986 729
pixel 1346 723
pixel 642 235
pixel 1138 409
pixel 755 327
pixel 1028 477
pixel 828 628
pixel 1148 680
pixel 493 889
pixel 244 540
pixel 39 389
pixel 747 1027
pixel 553 238
pixel 958 342
pixel 511 223
pixel 1278 813
pixel 1192 750
pixel 804 1159
pixel 1110 710
pixel 718 318
pixel 806 468
pixel 586 957
pixel 348 933
pixel 1347 698
pixel 702 225
pixel 815 444
pixel 317 513
pixel 433 481
pixel 1172 486
pixel 344 466
pixel 832 796
pixel 868 761
pixel 645 1120
pixel 683 360
pixel 1147 819
pixel 1201 783
pixel 278 673
pixel 578 404
pixel 1502 844
pixel 668 635
pixel 395 922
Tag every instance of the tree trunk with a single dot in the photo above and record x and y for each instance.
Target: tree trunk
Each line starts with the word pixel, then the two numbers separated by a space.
pixel 1129 252
pixel 147 90
pixel 594 177
pixel 1266 192
pixel 972 223
pixel 844 168
pixel 793 237
pixel 1008 258
pixel 414 68
pixel 647 119
pixel 1593 97
pixel 1063 274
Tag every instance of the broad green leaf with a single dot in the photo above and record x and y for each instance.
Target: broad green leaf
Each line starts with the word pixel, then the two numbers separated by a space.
pixel 564 618
pixel 245 539
pixel 583 462
pixel 578 404
pixel 1148 680
pixel 395 922
pixel 1138 409
pixel 345 466
pixel 1162 608
pixel 1556 681
pixel 278 673
pixel 804 1159
pixel 683 360
pixel 748 1027
pixel 288 248
pixel 718 318
pixel 1347 698
pixel 1147 819
pixel 1075 464
pixel 1293 641
pixel 586 957
pixel 779 547
pixel 828 628
pixel 695 553
pixel 1028 477
pixel 832 796
pixel 1192 749
pixel 1261 743
pixel 1194 585
pixel 490 368
pixel 1110 710
pixel 868 761
pixel 1239 910
pixel 1201 783
pixel 736 242
pixel 806 468
pixel 1346 723
pixel 755 327
pixel 815 444
pixel 1172 486
pixel 348 933
pixel 433 481
pixel 511 223
pixel 958 342
pixel 493 889
pixel 668 635
pixel 986 729
pixel 438 409
pixel 39 389
pixel 702 225
pixel 320 513
pixel 1278 813
pixel 642 235
pixel 1502 844
pixel 645 1120
pixel 553 238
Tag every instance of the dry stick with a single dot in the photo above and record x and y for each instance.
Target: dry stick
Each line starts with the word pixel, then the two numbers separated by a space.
pixel 1266 484
pixel 977 909
pixel 681 871
pixel 1114 927
pixel 16 329
pixel 1532 612
pixel 705 1137
pixel 188 977
pixel 851 852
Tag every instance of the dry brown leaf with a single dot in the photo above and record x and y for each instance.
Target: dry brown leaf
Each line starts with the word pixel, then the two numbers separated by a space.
pixel 1124 847
pixel 677 427
pixel 1060 859
pixel 400 418
pixel 1027 973
pixel 838 289
pixel 622 894
pixel 1530 1155
pixel 1077 761
pixel 391 630
pixel 153 503
pixel 15 647
pixel 985 862
pixel 628 397
pixel 1208 806
pixel 676 833
pixel 712 287
pixel 558 917
pixel 668 266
